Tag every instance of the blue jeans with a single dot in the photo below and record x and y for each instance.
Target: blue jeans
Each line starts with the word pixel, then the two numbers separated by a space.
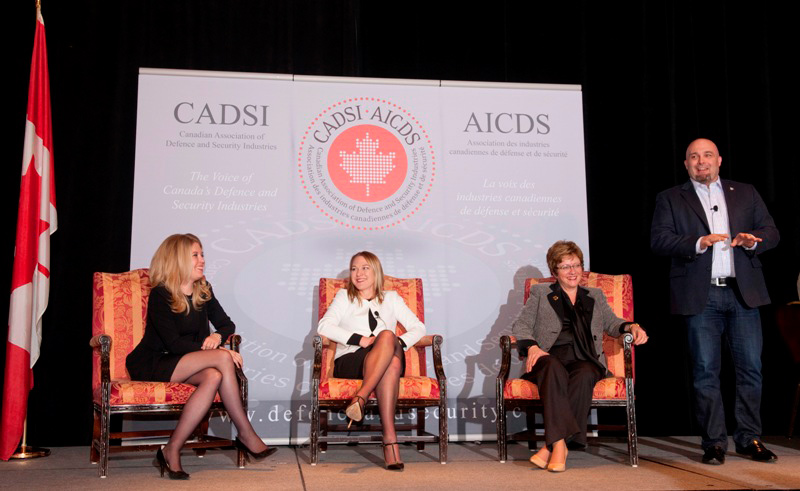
pixel 725 317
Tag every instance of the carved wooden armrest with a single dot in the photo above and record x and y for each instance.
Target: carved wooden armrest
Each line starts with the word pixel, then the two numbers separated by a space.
pixel 438 368
pixel 319 342
pixel 425 341
pixel 234 341
pixel 627 350
pixel 505 359
pixel 99 340
pixel 102 342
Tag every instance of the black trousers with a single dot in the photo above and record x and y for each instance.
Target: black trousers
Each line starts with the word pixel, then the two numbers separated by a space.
pixel 565 388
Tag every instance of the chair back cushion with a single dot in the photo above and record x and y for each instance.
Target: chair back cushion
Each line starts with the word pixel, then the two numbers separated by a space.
pixel 409 289
pixel 119 303
pixel 618 289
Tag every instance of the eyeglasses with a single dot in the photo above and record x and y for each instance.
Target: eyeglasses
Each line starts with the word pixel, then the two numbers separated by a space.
pixel 568 267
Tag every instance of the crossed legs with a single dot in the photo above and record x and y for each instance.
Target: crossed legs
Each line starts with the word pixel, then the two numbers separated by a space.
pixel 382 367
pixel 211 371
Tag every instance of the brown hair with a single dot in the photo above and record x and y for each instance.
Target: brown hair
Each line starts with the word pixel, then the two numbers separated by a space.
pixel 375 264
pixel 171 266
pixel 559 251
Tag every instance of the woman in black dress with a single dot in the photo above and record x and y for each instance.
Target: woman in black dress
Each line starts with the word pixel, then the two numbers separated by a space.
pixel 178 346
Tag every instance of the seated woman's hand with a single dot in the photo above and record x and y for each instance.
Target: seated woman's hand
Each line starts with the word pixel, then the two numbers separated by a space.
pixel 366 341
pixel 237 358
pixel 639 335
pixel 212 342
pixel 534 353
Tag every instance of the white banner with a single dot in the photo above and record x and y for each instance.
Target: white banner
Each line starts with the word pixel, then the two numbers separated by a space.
pixel 284 179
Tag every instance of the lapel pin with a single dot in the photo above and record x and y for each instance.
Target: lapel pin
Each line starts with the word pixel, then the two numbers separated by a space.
pixel 731 188
pixel 555 297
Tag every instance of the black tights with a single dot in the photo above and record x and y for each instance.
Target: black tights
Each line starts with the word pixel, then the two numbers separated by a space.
pixel 382 367
pixel 211 371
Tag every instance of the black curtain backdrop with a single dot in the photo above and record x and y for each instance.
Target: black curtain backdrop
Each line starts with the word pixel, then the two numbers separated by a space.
pixel 655 75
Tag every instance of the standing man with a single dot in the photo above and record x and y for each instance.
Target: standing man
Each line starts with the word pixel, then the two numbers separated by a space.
pixel 714 230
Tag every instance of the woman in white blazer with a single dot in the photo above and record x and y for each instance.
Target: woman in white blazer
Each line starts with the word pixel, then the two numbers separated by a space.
pixel 362 321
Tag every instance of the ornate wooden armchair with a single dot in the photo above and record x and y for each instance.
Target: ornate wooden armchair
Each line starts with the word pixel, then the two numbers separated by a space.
pixel 417 390
pixel 519 394
pixel 118 323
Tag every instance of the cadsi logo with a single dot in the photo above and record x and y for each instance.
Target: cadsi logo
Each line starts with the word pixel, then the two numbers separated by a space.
pixel 366 163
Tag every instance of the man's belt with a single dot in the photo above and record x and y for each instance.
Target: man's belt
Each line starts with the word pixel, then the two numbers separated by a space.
pixel 723 281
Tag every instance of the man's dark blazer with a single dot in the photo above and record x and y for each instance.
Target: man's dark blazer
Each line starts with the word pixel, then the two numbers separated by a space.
pixel 679 220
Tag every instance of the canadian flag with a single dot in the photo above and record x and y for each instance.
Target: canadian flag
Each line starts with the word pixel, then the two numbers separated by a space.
pixel 36 220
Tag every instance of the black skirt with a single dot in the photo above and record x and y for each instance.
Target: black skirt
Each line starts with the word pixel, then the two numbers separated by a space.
pixel 143 364
pixel 351 365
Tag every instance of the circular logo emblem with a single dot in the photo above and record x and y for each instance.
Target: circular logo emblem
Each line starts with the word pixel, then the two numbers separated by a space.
pixel 366 163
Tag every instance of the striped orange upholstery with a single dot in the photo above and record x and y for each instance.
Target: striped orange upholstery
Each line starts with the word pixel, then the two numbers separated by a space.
pixel 125 393
pixel 410 388
pixel 618 289
pixel 120 310
pixel 608 388
pixel 416 384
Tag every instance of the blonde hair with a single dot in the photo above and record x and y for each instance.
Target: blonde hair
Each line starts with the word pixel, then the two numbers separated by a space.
pixel 375 264
pixel 559 251
pixel 171 267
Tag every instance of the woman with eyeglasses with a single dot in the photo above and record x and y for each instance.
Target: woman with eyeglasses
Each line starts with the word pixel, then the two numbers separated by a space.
pixel 560 333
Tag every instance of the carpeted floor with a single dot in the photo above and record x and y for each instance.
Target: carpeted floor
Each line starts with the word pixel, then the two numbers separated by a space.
pixel 665 463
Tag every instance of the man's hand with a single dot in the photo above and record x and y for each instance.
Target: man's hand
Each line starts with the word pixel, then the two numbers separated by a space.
pixel 745 240
pixel 534 353
pixel 709 240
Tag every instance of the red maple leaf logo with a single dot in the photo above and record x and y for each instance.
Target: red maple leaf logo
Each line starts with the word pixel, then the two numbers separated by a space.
pixel 367 165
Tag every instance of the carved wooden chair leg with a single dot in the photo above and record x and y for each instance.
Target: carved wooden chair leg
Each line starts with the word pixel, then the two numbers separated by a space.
pixel 633 448
pixel 202 429
pixel 501 433
pixel 444 434
pixel 94 454
pixel 530 420
pixel 314 434
pixel 420 428
pixel 105 429
pixel 323 429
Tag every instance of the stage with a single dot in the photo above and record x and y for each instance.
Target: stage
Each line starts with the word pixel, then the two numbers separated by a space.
pixel 665 463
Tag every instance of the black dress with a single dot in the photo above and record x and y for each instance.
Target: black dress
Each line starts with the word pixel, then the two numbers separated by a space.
pixel 168 336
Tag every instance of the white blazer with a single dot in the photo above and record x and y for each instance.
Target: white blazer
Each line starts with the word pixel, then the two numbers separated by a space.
pixel 345 318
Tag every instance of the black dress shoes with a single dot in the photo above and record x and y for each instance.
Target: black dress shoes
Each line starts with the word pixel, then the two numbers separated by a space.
pixel 758 452
pixel 714 456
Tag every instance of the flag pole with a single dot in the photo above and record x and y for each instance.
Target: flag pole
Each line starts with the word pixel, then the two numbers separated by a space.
pixel 24 451
pixel 36 170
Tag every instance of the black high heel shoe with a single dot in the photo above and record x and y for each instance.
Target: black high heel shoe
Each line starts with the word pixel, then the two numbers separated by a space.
pixel 255 455
pixel 162 464
pixel 397 465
